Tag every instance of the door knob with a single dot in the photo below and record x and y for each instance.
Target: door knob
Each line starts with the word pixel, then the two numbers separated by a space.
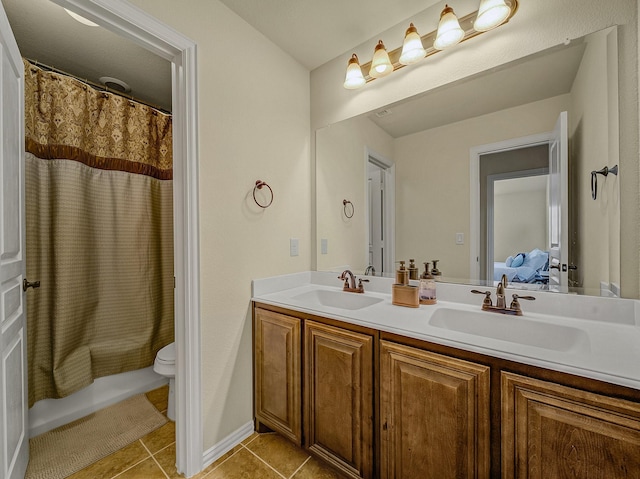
pixel 26 284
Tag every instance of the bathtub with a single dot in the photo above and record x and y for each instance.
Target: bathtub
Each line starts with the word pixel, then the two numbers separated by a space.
pixel 51 413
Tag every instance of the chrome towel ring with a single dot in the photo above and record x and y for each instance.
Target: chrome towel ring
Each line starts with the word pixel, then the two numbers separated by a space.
pixel 594 178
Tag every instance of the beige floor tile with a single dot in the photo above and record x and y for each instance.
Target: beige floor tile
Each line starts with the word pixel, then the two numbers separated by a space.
pixel 159 398
pixel 167 460
pixel 250 438
pixel 114 463
pixel 243 465
pixel 278 452
pixel 148 469
pixel 314 469
pixel 160 438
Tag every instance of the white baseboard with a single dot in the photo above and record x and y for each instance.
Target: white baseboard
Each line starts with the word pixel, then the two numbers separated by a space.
pixel 232 440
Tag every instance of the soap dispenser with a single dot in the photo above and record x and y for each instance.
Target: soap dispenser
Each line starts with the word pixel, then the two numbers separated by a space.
pixel 402 275
pixel 402 293
pixel 413 270
pixel 435 271
pixel 427 292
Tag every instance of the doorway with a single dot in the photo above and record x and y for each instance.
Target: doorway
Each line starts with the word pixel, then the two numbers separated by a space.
pixel 119 17
pixel 380 213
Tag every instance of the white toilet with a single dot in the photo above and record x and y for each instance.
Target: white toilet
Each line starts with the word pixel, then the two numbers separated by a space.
pixel 165 364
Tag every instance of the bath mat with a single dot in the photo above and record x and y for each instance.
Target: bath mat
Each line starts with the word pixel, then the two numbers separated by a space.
pixel 63 451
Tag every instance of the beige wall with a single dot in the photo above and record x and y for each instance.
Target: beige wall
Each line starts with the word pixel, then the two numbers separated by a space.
pixel 520 222
pixel 593 137
pixel 253 124
pixel 341 175
pixel 432 169
pixel 538 25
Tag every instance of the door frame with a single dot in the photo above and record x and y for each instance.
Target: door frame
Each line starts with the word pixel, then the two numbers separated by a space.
pixel 128 21
pixel 389 170
pixel 474 188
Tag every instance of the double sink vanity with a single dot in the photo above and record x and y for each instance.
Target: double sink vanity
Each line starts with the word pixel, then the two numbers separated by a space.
pixel 448 390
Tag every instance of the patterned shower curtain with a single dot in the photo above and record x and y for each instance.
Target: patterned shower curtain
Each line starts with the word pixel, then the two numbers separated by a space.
pixel 99 214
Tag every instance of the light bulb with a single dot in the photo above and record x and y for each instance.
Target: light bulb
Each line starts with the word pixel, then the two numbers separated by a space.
pixel 449 31
pixel 354 78
pixel 491 14
pixel 380 65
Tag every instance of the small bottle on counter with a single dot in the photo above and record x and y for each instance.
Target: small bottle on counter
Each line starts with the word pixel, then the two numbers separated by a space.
pixel 402 275
pixel 435 271
pixel 413 270
pixel 427 293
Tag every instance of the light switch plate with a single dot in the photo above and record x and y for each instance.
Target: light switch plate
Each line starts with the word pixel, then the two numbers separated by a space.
pixel 324 246
pixel 459 238
pixel 293 247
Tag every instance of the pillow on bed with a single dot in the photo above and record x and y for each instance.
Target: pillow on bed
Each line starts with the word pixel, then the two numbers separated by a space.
pixel 509 261
pixel 518 260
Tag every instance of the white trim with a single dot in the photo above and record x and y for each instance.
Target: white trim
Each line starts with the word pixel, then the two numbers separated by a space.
pixel 232 440
pixel 474 188
pixel 389 169
pixel 126 20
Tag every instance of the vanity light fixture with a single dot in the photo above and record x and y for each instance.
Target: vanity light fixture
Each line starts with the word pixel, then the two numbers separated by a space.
pixel 354 78
pixel 380 65
pixel 451 30
pixel 412 49
pixel 491 14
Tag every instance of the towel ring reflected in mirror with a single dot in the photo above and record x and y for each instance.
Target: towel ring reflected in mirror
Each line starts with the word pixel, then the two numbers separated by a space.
pixel 345 205
pixel 259 185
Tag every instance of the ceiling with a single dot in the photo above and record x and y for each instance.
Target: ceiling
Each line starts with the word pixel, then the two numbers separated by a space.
pixel 316 31
pixel 311 31
pixel 534 78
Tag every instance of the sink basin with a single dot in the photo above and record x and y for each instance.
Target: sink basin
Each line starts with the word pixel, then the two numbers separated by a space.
pixel 337 299
pixel 514 329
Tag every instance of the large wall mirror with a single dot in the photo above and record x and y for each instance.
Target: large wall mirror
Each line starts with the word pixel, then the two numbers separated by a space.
pixel 466 174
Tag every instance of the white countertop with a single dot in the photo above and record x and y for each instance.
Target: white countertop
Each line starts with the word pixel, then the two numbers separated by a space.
pixel 609 349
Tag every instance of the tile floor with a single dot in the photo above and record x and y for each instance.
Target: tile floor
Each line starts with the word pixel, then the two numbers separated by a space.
pixel 260 456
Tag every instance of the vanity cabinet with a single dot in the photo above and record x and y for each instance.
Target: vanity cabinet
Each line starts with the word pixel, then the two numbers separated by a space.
pixel 277 374
pixel 550 430
pixel 338 399
pixel 434 414
pixel 376 404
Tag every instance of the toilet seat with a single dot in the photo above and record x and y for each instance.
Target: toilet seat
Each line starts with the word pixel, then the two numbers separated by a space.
pixel 165 362
pixel 167 355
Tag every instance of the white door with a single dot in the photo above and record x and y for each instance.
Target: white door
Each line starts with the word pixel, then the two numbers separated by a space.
pixel 558 244
pixel 14 440
pixel 376 218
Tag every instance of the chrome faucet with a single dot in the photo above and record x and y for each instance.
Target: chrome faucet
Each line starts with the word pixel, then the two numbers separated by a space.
pixel 370 269
pixel 350 282
pixel 501 304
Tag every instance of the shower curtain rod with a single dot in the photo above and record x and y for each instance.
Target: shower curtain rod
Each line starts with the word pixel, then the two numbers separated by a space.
pixel 96 86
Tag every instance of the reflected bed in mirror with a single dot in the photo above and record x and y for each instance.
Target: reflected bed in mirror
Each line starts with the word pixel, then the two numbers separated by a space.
pixel 413 171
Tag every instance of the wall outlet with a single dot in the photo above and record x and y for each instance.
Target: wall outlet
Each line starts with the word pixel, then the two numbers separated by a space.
pixel 293 247
pixel 459 238
pixel 324 246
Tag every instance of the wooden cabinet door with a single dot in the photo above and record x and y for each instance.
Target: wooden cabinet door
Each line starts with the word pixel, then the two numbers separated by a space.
pixel 434 415
pixel 339 397
pixel 553 431
pixel 277 373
